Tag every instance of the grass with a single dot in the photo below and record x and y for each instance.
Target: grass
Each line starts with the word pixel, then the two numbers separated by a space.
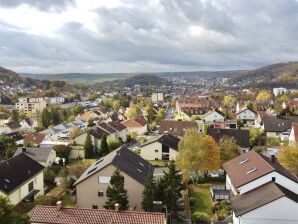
pixel 158 162
pixel 203 202
pixel 67 202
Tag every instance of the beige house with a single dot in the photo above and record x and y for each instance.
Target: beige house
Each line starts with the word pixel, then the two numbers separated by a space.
pixel 21 179
pixel 91 187
pixel 31 105
pixel 138 125
pixel 162 147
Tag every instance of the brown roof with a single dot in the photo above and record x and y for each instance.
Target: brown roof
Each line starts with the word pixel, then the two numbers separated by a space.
pixel 49 214
pixel 135 122
pixel 237 168
pixel 35 138
pixel 13 125
pixel 176 128
pixel 259 197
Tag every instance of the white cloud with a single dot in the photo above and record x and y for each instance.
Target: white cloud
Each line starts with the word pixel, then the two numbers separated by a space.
pixel 149 35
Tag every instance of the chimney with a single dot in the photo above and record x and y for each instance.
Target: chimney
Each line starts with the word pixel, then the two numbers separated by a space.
pixel 272 159
pixel 117 207
pixel 58 205
pixel 24 149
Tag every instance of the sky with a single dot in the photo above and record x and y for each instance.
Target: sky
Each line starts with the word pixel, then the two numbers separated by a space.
pixel 106 36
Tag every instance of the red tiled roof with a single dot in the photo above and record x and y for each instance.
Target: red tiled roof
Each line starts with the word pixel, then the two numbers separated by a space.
pixel 136 122
pixel 49 214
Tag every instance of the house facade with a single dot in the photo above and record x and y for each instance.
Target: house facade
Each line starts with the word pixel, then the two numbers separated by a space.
pixel 21 179
pixel 247 116
pixel 91 187
pixel 163 147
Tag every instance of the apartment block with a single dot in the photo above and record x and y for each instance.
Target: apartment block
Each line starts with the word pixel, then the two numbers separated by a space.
pixel 31 105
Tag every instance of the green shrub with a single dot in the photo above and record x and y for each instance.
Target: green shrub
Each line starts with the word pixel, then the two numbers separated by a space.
pixel 192 201
pixel 201 216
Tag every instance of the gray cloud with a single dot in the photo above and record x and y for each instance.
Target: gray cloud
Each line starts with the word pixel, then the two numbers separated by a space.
pixel 43 5
pixel 140 36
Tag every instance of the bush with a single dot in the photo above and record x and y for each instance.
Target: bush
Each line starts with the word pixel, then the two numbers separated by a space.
pixel 192 201
pixel 201 216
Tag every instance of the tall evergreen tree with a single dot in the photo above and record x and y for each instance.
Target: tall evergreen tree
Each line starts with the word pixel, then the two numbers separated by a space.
pixel 104 147
pixel 15 116
pixel 45 118
pixel 116 192
pixel 148 193
pixel 88 146
pixel 54 114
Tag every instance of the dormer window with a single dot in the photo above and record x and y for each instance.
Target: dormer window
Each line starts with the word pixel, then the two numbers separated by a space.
pixel 251 170
pixel 141 164
pixel 139 170
pixel 243 161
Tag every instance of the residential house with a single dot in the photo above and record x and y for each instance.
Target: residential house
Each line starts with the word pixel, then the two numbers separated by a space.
pixel 241 136
pixel 278 126
pixel 176 128
pixel 279 91
pixel 10 127
pixel 163 147
pixel 259 187
pixel 92 185
pixel 28 125
pixel 247 116
pixel 60 215
pixel 138 125
pixel 21 178
pixel 17 137
pixel 45 156
pixel 214 116
pixel 96 135
pixel 35 138
pixel 293 138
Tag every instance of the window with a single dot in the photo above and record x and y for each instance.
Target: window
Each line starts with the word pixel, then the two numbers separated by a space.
pixel 30 186
pixel 104 179
pixel 94 206
pixel 251 170
pixel 100 194
pixel 243 161
pixel 156 150
pixel 273 179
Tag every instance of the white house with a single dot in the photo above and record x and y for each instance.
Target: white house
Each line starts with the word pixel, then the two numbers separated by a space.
pixel 293 138
pixel 247 116
pixel 10 127
pixel 279 91
pixel 163 147
pixel 257 183
pixel 28 125
pixel 21 179
pixel 213 116
pixel 45 156
pixel 138 125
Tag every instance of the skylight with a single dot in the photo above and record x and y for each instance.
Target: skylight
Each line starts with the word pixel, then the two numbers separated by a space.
pixel 99 161
pixel 90 171
pixel 251 170
pixel 139 170
pixel 141 164
pixel 243 161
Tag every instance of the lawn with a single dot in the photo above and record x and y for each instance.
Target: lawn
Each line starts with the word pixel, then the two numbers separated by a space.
pixel 203 202
pixel 158 162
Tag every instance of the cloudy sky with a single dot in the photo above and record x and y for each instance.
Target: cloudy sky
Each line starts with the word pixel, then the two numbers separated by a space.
pixel 53 36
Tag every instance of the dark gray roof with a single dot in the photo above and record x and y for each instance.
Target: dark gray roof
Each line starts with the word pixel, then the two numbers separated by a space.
pixel 278 123
pixel 259 197
pixel 125 160
pixel 38 154
pixel 16 171
pixel 165 139
pixel 241 136
pixel 116 125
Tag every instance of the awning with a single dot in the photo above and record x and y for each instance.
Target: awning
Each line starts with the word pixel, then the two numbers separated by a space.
pixel 30 195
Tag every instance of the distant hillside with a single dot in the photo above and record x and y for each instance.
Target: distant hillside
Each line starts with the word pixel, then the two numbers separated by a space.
pixel 276 72
pixel 138 80
pixel 8 75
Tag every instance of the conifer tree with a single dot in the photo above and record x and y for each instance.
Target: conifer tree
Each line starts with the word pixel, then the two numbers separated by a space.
pixel 88 146
pixel 148 193
pixel 104 147
pixel 116 192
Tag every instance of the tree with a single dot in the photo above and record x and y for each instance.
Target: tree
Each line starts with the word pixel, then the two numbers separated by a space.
pixel 7 146
pixel 148 193
pixel 49 176
pixel 116 105
pixel 14 115
pixel 288 157
pixel 54 114
pixel 116 192
pixel 228 148
pixel 63 151
pixel 75 132
pixel 170 187
pixel 90 122
pixel 78 110
pixel 133 112
pixel 76 170
pixel 229 101
pixel 114 144
pixel 191 154
pixel 45 118
pixel 7 215
pixel 160 115
pixel 263 95
pixel 88 146
pixel 211 161
pixel 104 147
